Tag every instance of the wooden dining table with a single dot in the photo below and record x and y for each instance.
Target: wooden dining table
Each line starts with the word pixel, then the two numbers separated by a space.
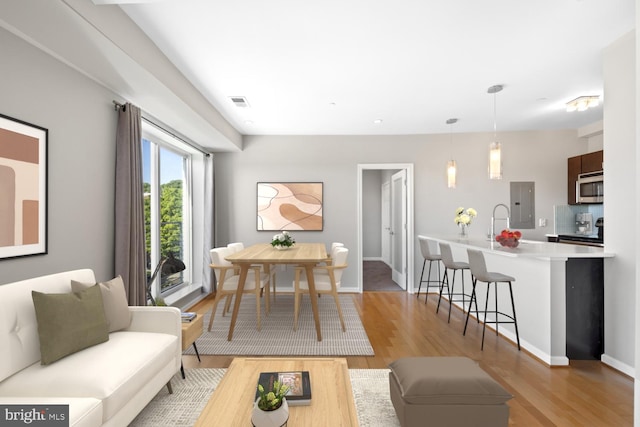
pixel 306 255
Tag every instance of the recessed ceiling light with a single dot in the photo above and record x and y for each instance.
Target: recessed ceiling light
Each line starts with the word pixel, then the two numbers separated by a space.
pixel 248 122
pixel 332 104
pixel 377 121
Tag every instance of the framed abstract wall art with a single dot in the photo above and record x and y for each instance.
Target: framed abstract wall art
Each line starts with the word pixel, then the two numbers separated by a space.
pixel 290 206
pixel 23 188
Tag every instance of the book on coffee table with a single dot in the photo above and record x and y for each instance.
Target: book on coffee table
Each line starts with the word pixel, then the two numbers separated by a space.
pixel 298 381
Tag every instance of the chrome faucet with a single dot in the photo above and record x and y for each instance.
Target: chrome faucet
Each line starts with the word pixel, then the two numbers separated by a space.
pixel 493 218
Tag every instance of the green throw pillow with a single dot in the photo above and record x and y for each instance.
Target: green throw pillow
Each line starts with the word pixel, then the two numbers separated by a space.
pixel 68 323
pixel 114 299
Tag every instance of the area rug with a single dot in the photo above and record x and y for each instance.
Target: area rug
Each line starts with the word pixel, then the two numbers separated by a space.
pixel 183 407
pixel 277 337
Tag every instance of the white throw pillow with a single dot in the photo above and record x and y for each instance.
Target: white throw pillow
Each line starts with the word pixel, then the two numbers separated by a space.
pixel 114 299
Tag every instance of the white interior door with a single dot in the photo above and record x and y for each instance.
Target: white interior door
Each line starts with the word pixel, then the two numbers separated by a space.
pixel 409 232
pixel 399 228
pixel 385 211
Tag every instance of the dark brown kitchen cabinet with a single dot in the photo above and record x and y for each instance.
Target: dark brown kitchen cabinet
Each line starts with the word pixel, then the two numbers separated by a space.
pixel 574 167
pixel 590 162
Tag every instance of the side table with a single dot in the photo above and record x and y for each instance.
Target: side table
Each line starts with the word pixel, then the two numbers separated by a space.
pixel 191 331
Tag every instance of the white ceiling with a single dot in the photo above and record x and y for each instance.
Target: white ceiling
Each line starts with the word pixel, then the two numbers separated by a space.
pixel 334 66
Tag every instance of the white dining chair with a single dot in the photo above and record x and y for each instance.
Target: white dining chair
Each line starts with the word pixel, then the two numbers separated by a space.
pixel 228 280
pixel 269 269
pixel 327 279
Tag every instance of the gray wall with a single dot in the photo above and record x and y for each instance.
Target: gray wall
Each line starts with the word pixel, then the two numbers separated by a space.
pixel 38 89
pixel 371 214
pixel 528 156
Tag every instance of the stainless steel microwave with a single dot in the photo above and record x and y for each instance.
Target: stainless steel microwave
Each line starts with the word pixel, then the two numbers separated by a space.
pixel 590 187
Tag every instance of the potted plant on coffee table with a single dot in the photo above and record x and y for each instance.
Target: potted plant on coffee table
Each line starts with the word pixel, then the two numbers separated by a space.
pixel 271 408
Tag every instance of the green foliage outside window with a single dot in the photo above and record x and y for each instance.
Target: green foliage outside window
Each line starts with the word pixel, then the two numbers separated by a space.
pixel 170 218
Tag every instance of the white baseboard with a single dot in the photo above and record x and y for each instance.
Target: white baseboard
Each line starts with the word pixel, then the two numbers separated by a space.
pixel 618 366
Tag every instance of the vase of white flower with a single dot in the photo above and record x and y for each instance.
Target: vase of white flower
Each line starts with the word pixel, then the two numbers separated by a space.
pixel 463 220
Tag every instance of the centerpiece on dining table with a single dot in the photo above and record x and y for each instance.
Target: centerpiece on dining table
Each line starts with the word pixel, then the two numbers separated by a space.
pixel 283 241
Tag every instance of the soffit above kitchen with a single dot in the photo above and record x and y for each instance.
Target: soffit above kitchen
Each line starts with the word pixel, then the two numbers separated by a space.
pixel 335 67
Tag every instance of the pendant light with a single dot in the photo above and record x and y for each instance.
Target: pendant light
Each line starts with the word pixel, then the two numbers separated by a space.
pixel 451 164
pixel 495 151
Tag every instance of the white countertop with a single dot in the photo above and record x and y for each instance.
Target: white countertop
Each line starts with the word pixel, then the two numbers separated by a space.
pixel 527 248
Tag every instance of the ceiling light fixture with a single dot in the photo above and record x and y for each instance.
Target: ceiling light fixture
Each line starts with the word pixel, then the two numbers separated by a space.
pixel 582 103
pixel 377 121
pixel 239 101
pixel 451 164
pixel 495 151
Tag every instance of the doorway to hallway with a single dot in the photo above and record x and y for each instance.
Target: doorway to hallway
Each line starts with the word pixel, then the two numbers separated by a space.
pixel 386 236
pixel 376 276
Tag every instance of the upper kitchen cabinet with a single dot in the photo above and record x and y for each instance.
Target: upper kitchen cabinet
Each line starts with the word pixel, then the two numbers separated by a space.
pixel 590 162
pixel 574 168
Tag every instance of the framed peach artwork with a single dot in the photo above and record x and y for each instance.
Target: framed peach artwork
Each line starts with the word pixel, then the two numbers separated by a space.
pixel 23 188
pixel 291 206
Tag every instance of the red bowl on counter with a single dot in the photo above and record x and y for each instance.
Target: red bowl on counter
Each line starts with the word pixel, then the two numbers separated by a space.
pixel 510 242
pixel 509 239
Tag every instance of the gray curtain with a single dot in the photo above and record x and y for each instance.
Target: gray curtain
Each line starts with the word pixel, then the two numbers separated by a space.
pixel 129 211
pixel 207 276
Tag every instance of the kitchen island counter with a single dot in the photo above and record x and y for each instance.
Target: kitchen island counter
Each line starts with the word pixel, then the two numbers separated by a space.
pixel 527 248
pixel 558 293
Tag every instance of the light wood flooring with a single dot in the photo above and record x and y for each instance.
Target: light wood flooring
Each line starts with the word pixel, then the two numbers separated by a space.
pixel 586 393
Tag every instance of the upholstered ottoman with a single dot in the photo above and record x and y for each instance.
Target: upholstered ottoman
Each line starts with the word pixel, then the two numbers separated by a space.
pixel 446 391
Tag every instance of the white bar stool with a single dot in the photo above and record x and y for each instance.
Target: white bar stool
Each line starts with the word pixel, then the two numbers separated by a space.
pixel 479 272
pixel 450 264
pixel 428 256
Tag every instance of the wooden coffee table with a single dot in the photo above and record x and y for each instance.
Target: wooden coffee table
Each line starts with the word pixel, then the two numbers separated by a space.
pixel 331 396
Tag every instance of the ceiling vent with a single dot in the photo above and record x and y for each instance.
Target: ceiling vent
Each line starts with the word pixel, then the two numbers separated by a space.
pixel 239 101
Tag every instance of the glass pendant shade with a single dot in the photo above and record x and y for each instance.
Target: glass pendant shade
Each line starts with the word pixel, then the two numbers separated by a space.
pixel 451 164
pixel 451 174
pixel 495 151
pixel 495 161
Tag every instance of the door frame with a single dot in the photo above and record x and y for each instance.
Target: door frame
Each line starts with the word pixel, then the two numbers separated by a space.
pixel 408 167
pixel 399 202
pixel 385 235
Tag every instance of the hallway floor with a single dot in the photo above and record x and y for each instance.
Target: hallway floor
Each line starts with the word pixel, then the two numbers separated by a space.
pixel 376 276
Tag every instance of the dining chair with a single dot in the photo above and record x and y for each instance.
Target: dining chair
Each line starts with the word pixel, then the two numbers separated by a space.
pixel 327 280
pixel 265 268
pixel 224 271
pixel 334 245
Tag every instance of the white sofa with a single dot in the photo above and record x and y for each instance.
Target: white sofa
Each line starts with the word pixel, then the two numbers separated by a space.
pixel 107 384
